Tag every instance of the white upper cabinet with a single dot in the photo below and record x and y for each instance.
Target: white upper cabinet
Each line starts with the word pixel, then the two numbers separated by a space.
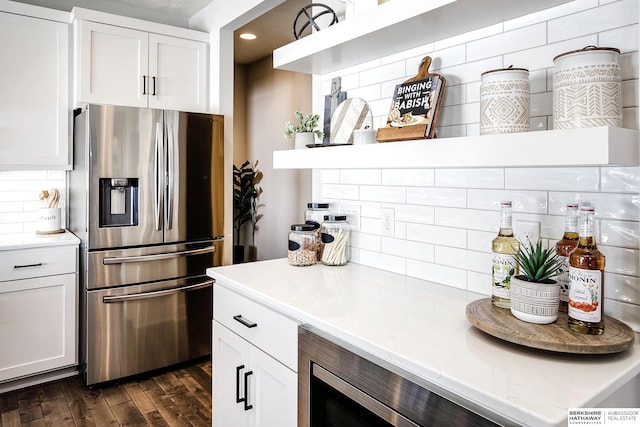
pixel 123 66
pixel 34 83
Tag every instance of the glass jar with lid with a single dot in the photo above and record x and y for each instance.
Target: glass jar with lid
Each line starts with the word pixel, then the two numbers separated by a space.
pixel 335 233
pixel 315 213
pixel 303 246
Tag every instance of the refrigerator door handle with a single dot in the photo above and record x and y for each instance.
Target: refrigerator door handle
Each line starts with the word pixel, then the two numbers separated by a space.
pixel 156 257
pixel 170 174
pixel 155 294
pixel 157 191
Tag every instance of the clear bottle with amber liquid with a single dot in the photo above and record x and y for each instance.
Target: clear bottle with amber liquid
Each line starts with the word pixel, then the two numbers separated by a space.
pixel 564 247
pixel 586 273
pixel 504 247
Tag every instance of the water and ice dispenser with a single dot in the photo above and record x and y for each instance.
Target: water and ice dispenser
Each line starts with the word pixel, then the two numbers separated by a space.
pixel 118 202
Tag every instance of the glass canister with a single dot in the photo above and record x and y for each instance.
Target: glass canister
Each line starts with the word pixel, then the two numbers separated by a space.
pixel 315 213
pixel 303 245
pixel 587 88
pixel 505 101
pixel 335 233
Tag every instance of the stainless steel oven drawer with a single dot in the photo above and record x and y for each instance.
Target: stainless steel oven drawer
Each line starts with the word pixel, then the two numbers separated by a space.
pixel 141 265
pixel 139 328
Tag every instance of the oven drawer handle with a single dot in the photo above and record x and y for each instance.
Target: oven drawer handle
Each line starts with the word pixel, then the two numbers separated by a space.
pixel 156 257
pixel 155 294
pixel 245 322
pixel 246 391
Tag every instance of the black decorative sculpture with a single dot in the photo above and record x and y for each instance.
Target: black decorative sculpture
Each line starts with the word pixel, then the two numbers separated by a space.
pixel 307 17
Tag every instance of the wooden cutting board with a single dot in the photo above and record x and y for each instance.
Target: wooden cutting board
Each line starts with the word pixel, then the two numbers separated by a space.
pixel 500 323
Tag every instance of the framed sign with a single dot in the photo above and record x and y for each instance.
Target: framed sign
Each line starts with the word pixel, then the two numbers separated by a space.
pixel 414 107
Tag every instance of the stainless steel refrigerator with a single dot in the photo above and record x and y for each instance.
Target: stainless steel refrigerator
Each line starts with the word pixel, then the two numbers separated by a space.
pixel 146 199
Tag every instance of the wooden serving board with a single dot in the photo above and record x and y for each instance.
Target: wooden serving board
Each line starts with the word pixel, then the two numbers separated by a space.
pixel 500 323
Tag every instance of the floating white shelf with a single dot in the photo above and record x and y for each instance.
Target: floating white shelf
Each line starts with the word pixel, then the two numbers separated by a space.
pixel 598 146
pixel 395 26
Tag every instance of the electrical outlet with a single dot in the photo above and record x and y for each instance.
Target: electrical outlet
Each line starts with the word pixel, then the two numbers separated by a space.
pixel 387 221
pixel 528 230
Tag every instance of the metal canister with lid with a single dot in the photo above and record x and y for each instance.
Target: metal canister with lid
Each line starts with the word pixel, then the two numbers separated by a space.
pixel 303 245
pixel 335 233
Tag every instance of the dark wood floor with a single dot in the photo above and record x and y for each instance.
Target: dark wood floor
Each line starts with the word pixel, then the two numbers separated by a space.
pixel 177 397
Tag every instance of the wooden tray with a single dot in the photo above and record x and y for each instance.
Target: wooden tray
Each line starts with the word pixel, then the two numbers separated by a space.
pixel 500 323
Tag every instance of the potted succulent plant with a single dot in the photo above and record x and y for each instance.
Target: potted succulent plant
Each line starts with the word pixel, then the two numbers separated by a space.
pixel 535 295
pixel 245 205
pixel 304 130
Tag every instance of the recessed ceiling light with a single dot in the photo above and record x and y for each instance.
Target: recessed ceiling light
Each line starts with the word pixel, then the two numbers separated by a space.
pixel 247 36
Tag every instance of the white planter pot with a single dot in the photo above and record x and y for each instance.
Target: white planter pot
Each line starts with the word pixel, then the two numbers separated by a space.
pixel 303 139
pixel 587 88
pixel 505 101
pixel 534 302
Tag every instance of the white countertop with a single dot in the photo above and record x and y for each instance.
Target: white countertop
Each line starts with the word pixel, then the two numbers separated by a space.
pixel 30 240
pixel 421 327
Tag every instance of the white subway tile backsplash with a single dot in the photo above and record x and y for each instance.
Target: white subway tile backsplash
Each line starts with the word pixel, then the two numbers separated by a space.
pixel 522 201
pixel 454 277
pixel 621 260
pixel 393 263
pixel 408 249
pixel 339 191
pixel 624 234
pixel 572 179
pixel 408 177
pixel 377 193
pixel 607 205
pixel 382 73
pixel 415 213
pixel 480 283
pixel 360 176
pixel 542 57
pixel 330 176
pixel 509 41
pixel 437 235
pixel 622 288
pixel 445 219
pixel 468 219
pixel 620 179
pixel 624 38
pixel 593 20
pixel 470 178
pixel 480 262
pixel 451 197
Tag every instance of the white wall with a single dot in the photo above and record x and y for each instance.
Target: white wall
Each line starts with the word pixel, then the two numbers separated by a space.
pixel 272 98
pixel 445 219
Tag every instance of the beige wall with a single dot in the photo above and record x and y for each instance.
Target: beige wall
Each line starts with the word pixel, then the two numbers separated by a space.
pixel 270 99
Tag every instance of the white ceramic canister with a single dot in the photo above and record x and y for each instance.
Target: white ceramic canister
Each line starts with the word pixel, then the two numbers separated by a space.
pixel 48 220
pixel 505 101
pixel 587 88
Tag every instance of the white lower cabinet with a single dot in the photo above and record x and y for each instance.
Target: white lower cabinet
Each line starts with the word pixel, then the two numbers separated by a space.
pixel 250 388
pixel 255 380
pixel 38 322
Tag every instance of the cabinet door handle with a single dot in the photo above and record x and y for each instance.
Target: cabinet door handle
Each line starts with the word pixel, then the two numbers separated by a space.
pixel 238 398
pixel 144 85
pixel 246 391
pixel 245 322
pixel 28 265
pixel 154 85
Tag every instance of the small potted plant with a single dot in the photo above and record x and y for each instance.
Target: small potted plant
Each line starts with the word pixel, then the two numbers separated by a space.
pixel 535 295
pixel 305 130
